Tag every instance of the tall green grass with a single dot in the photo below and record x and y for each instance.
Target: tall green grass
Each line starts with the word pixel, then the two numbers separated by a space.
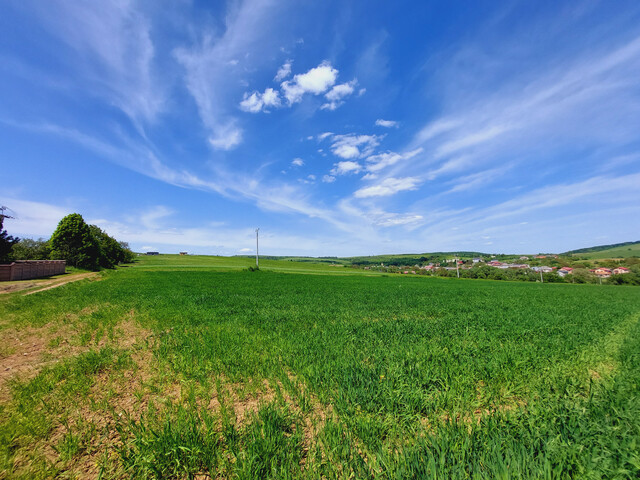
pixel 400 377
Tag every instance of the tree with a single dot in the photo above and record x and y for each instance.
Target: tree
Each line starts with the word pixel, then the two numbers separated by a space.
pixel 6 241
pixel 112 252
pixel 73 242
pixel 29 249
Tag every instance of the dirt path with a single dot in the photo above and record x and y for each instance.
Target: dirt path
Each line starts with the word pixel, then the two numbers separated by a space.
pixel 64 281
pixel 43 284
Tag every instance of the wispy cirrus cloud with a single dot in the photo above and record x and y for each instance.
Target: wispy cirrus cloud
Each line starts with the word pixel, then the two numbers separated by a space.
pixel 387 187
pixel 114 53
pixel 544 109
pixel 209 79
pixel 351 145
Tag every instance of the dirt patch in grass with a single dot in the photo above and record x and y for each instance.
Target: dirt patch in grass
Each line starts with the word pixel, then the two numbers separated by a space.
pixel 114 400
pixel 39 285
pixel 26 351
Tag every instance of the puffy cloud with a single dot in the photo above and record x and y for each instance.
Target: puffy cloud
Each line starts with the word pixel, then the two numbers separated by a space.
pixel 386 123
pixel 328 179
pixel 284 71
pixel 271 98
pixel 257 101
pixel 354 146
pixel 297 162
pixel 389 186
pixel 316 81
pixel 346 167
pixel 337 93
pixel 252 103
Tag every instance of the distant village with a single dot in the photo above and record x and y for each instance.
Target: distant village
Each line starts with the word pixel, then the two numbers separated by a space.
pixel 549 268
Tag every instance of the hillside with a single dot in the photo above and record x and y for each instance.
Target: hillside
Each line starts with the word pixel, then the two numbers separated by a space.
pixel 617 250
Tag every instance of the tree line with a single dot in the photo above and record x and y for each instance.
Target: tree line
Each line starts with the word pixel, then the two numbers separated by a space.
pixel 81 245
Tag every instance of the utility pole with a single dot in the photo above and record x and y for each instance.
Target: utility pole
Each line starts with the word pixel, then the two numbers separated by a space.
pixel 541 279
pixel 457 270
pixel 257 251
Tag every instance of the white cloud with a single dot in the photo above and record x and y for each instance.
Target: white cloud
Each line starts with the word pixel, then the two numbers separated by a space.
pixel 375 163
pixel 396 219
pixel 257 101
pixel 346 167
pixel 387 123
pixel 324 135
pixel 370 176
pixel 271 98
pixel 316 81
pixel 328 178
pixel 150 218
pixel 336 95
pixel 346 151
pixel 389 186
pixel 354 146
pixel 311 176
pixel 246 33
pixel 226 137
pixel 284 71
pixel 297 162
pixel 115 53
pixel 251 103
pixel 245 250
pixel 34 218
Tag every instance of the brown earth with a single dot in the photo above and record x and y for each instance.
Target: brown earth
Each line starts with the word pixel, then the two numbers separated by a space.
pixel 39 285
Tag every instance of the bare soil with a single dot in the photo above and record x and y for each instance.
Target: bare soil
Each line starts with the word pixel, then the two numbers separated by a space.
pixel 39 285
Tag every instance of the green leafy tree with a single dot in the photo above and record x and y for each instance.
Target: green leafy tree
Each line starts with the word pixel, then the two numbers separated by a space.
pixel 29 249
pixel 112 252
pixel 6 242
pixel 74 242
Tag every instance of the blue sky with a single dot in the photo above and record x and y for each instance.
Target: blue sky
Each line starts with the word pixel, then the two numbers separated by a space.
pixel 338 128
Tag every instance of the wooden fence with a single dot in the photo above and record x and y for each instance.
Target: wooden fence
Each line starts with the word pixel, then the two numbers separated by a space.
pixel 26 269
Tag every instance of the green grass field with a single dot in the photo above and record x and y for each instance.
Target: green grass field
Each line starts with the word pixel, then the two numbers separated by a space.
pixel 185 367
pixel 625 251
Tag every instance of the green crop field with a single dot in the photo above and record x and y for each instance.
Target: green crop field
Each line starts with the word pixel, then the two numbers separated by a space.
pixel 194 367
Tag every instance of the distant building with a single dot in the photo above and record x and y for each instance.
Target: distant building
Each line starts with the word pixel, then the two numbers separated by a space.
pixel 153 253
pixel 183 253
pixel 621 270
pixel 602 272
pixel 524 258
pixel 543 269
pixel 477 260
pixel 564 271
